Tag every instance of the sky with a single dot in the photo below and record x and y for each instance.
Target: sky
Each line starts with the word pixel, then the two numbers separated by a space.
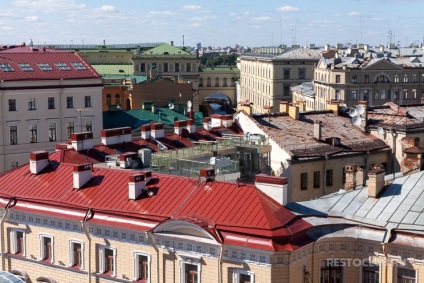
pixel 249 23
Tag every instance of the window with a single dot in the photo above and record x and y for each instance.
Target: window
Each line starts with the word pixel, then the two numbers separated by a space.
pixel 107 256
pixel 46 248
pixel 216 82
pixel 383 94
pixel 188 67
pixel 405 94
pixel 69 102
pixel 89 126
pixel 406 275
pixel 366 79
pixel 141 267
pixel 31 103
pixel 209 82
pixel 190 269
pixel 6 67
pixel 365 94
pixel 354 79
pixel 354 95
pixel 33 133
pixel 52 132
pixel 337 94
pixel 143 67
pixel 76 254
pixel 243 276
pixel 286 91
pixel 12 104
pixel 44 67
pixel 376 95
pixel 337 78
pixel 117 99
pixel 233 81
pixel 302 74
pixel 287 74
pixel 316 179
pixel 50 103
pixel 329 177
pixel 78 66
pixel 177 67
pixel 224 82
pixel 414 93
pixel 200 82
pixel 405 78
pixel 18 241
pixel 370 273
pixel 396 78
pixel 414 78
pixel 87 101
pixel 165 67
pixel 13 133
pixel 62 66
pixel 108 99
pixel 303 181
pixel 14 164
pixel 70 128
pixel 25 67
pixel 331 271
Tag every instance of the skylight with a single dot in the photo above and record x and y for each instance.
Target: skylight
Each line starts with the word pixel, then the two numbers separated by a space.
pixel 6 67
pixel 62 66
pixel 25 67
pixel 45 67
pixel 78 66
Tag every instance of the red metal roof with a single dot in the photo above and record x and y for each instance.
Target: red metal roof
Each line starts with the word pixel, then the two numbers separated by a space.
pixel 32 57
pixel 234 212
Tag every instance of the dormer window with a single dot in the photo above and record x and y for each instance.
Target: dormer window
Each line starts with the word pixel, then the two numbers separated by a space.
pixel 44 67
pixel 6 67
pixel 25 67
pixel 62 66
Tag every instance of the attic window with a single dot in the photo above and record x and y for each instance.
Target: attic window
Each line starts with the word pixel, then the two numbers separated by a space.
pixel 6 67
pixel 44 67
pixel 78 66
pixel 62 66
pixel 25 67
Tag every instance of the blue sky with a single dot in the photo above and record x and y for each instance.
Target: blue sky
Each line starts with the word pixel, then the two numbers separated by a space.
pixel 212 22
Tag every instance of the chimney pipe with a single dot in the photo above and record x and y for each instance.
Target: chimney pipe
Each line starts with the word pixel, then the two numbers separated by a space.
pixel 376 181
pixel 38 160
pixel 273 186
pixel 82 174
pixel 136 185
pixel 318 130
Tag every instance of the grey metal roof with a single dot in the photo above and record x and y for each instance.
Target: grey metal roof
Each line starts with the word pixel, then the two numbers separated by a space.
pixel 6 277
pixel 401 205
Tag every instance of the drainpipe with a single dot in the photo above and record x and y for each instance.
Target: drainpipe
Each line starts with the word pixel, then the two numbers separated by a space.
pixel 384 245
pixel 150 240
pixel 88 216
pixel 11 203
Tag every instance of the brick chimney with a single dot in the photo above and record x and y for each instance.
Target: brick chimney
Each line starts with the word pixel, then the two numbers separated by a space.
pixel 350 176
pixel 157 130
pixel 284 106
pixel 227 120
pixel 129 160
pixel 191 126
pixel 117 135
pixel 216 120
pixel 294 112
pixel 145 131
pixel 38 160
pixel 136 185
pixel 207 174
pixel 318 130
pixel 179 126
pixel 207 122
pixel 274 187
pixel 82 141
pixel 375 181
pixel 82 174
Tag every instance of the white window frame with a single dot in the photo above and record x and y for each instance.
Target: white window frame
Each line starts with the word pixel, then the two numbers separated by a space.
pixel 238 272
pixel 102 262
pixel 48 130
pixel 71 253
pixel 17 134
pixel 396 273
pixel 42 236
pixel 14 242
pixel 192 260
pixel 136 273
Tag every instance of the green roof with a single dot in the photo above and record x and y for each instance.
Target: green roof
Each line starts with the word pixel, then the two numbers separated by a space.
pixel 114 69
pixel 136 79
pixel 165 49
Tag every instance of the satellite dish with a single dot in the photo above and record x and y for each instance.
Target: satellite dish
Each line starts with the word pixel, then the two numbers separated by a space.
pixel 344 107
pixel 380 130
pixel 209 124
pixel 352 112
pixel 360 109
pixel 356 121
pixel 180 94
pixel 171 106
pixel 188 109
pixel 189 104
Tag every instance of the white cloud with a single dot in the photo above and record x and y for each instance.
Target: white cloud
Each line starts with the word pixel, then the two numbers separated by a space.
pixel 192 8
pixel 107 8
pixel 6 28
pixel 162 13
pixel 288 9
pixel 196 25
pixel 261 19
pixel 354 14
pixel 32 19
pixel 49 6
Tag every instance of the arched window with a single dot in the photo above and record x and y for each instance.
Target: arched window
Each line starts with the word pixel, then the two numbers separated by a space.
pixel 117 99
pixel 209 82
pixel 108 99
pixel 216 82
pixel 128 104
pixel 200 82
pixel 233 81
pixel 224 82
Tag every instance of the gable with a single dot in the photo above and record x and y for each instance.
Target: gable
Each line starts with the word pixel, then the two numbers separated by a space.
pixel 382 64
pixel 165 49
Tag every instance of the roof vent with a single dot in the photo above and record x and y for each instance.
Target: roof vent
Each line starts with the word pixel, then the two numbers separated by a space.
pixel 157 130
pixel 376 181
pixel 179 126
pixel 145 131
pixel 273 186
pixel 136 185
pixel 82 174
pixel 227 120
pixel 38 160
pixel 207 174
pixel 81 141
pixel 129 160
pixel 191 126
pixel 118 135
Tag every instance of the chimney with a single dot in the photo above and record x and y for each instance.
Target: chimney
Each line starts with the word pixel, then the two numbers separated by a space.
pixel 333 105
pixel 179 126
pixel 318 130
pixel 364 103
pixel 245 106
pixel 38 160
pixel 350 176
pixel 128 160
pixel 191 126
pixel 145 155
pixel 82 174
pixel 207 174
pixel 216 120
pixel 273 186
pixel 118 135
pixel 375 181
pixel 153 74
pixel 145 131
pixel 81 141
pixel 227 120
pixel 284 106
pixel 148 175
pixel 136 185
pixel 207 123
pixel 294 112
pixel 157 130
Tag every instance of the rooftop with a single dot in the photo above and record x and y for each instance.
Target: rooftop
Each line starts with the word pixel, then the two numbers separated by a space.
pixel 398 117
